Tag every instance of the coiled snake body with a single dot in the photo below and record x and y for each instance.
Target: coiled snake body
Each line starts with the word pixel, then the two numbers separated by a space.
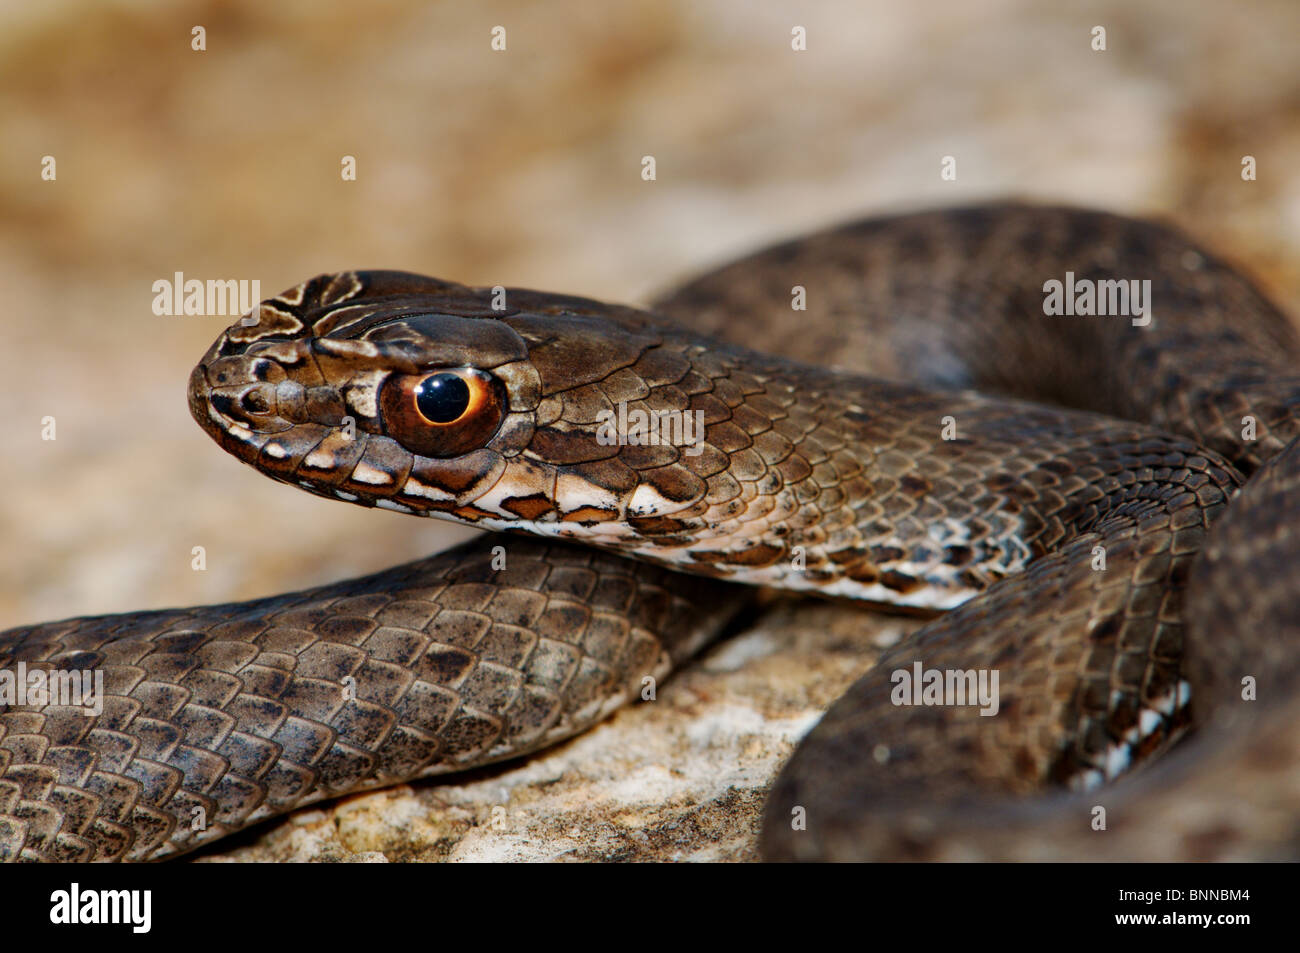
pixel 1090 556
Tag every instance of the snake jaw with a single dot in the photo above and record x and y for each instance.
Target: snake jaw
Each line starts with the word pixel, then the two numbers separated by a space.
pixel 330 439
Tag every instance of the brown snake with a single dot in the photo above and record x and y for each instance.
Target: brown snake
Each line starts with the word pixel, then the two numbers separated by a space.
pixel 1075 548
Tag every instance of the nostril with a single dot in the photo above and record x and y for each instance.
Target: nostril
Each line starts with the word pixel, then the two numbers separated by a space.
pixel 255 401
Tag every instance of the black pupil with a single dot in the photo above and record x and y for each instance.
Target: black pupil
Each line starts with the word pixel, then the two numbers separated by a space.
pixel 442 398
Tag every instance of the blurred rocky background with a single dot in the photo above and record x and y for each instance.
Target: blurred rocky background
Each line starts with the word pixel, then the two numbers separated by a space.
pixel 523 167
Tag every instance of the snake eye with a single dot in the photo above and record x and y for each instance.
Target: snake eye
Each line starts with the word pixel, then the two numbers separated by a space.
pixel 442 398
pixel 443 414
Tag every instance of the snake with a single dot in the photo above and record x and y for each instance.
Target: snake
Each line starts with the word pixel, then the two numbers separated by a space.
pixel 1092 504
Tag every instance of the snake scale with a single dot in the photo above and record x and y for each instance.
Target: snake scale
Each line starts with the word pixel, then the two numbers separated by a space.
pixel 1097 509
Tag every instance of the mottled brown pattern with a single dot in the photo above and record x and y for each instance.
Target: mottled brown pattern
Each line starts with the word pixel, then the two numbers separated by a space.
pixel 953 299
pixel 918 491
pixel 220 716
pixel 1228 793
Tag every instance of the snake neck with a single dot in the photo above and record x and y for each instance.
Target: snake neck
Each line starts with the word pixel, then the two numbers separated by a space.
pixel 624 431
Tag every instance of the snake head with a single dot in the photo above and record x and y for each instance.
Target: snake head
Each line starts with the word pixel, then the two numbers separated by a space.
pixel 494 407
